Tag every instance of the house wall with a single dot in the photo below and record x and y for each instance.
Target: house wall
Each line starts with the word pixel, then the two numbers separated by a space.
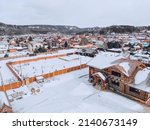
pixel 123 83
pixel 96 78
pixel 111 78
pixel 12 50
pixel 6 109
pixel 59 72
pixel 142 95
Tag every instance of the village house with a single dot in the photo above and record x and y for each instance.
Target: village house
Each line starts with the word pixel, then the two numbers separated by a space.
pixel 3 46
pixel 91 52
pixel 53 43
pixel 119 74
pixel 113 46
pixel 32 46
pixel 15 48
pixel 144 58
pixel 84 41
pixel 4 105
pixel 146 47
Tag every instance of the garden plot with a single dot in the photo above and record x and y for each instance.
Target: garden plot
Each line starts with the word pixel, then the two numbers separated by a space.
pixel 6 76
pixel 40 67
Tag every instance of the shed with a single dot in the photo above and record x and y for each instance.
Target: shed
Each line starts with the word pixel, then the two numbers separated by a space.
pixel 40 79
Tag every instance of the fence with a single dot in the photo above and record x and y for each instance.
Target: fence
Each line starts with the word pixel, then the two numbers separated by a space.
pixel 59 72
pixel 10 86
pixel 36 59
pixel 14 73
pixel 32 79
pixel 22 56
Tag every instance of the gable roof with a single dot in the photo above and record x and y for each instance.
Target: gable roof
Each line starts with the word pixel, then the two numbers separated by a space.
pixel 142 76
pixel 142 80
pixel 127 66
pixel 104 60
pixel 124 65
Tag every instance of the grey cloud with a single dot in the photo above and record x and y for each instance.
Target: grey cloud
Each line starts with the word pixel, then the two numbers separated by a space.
pixel 82 13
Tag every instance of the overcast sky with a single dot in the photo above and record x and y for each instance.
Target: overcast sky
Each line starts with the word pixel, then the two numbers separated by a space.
pixel 82 13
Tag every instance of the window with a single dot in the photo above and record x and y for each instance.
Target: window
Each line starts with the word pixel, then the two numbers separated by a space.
pixel 115 83
pixel 134 90
pixel 116 74
pixel 99 82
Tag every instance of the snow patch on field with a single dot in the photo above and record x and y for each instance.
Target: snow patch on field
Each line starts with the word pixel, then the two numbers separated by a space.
pixel 72 92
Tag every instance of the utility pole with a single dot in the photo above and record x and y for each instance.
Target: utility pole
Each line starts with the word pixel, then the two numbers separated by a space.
pixel 42 70
pixel 80 62
pixel 20 69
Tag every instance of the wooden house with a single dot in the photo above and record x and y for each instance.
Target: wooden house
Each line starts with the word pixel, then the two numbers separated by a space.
pixel 5 109
pixel 118 74
pixel 4 104
pixel 84 41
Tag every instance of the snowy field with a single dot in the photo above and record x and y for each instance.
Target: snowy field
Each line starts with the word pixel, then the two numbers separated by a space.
pixel 49 65
pixel 6 75
pixel 72 92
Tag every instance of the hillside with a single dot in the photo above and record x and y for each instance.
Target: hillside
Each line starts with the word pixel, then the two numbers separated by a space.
pixel 6 29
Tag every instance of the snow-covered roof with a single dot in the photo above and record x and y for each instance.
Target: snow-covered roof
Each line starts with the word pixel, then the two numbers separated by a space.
pixel 3 46
pixel 115 49
pixel 3 99
pixel 146 44
pixel 142 80
pixel 3 49
pixel 39 78
pixel 141 55
pixel 3 43
pixel 133 41
pixel 143 87
pixel 101 75
pixel 126 67
pixel 17 48
pixel 104 60
pixel 141 76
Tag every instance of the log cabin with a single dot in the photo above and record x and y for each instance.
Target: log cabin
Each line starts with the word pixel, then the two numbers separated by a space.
pixel 5 109
pixel 4 104
pixel 121 75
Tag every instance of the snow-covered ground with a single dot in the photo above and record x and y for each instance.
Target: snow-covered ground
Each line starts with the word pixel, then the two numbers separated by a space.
pixel 6 75
pixel 72 92
pixel 49 65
